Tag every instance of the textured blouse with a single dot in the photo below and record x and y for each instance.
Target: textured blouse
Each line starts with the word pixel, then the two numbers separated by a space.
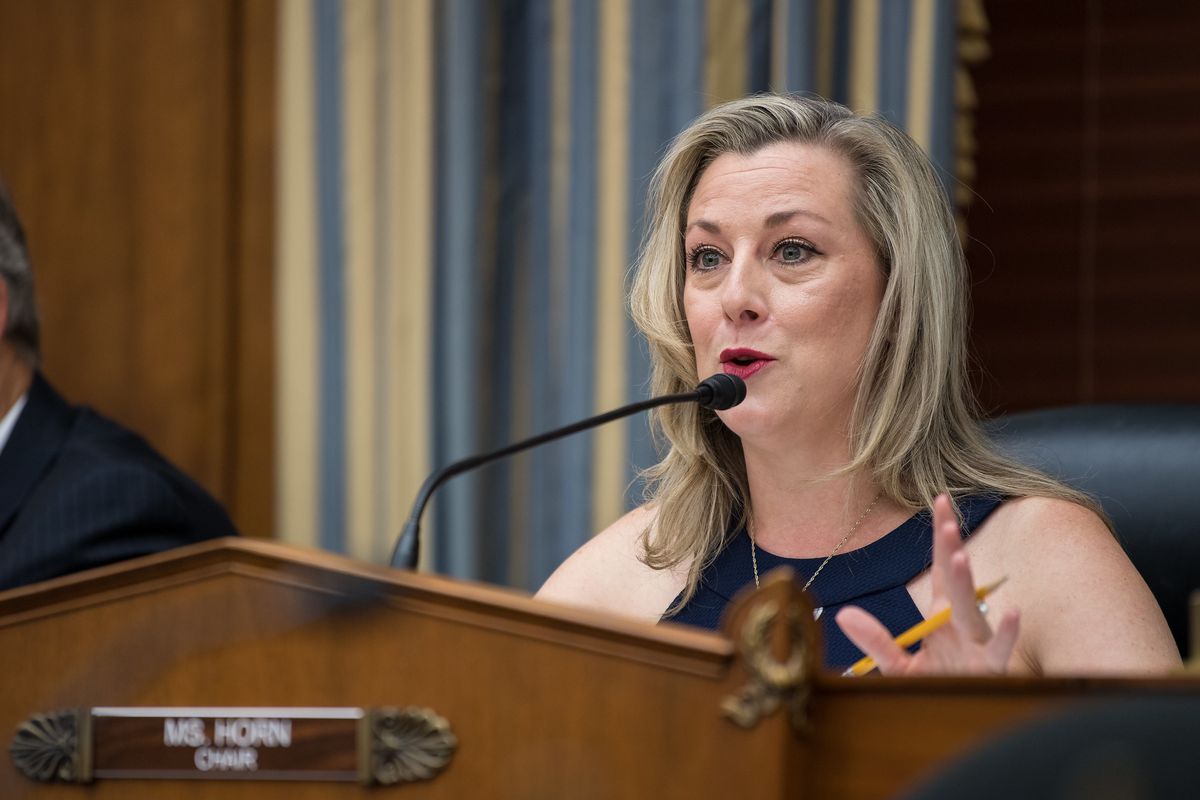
pixel 874 578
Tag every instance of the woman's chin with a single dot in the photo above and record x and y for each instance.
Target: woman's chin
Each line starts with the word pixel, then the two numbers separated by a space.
pixel 751 421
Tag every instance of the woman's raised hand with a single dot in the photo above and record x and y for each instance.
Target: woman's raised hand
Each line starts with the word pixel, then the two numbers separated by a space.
pixel 967 644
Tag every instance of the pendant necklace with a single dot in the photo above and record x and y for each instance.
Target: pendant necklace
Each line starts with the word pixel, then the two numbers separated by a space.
pixel 834 552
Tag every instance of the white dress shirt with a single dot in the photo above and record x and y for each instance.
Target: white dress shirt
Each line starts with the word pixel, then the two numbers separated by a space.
pixel 10 420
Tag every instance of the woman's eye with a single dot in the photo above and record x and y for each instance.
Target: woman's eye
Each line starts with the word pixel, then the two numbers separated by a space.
pixel 705 258
pixel 793 252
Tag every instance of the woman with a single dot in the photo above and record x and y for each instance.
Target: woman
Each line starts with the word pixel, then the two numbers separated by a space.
pixel 812 252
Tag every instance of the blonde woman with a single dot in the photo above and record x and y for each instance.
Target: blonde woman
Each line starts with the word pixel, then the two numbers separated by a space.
pixel 812 252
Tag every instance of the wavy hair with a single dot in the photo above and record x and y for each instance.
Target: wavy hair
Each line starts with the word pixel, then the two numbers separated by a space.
pixel 914 424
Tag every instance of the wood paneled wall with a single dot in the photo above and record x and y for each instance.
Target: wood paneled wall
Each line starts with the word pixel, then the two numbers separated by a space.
pixel 138 142
pixel 1086 251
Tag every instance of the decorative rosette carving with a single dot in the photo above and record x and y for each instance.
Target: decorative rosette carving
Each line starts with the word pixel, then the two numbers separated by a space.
pixel 408 744
pixel 773 682
pixel 46 748
pixel 778 640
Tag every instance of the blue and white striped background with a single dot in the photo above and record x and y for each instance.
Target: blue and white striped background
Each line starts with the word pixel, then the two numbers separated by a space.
pixel 460 194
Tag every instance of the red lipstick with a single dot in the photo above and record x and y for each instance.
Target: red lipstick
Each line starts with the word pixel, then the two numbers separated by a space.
pixel 743 361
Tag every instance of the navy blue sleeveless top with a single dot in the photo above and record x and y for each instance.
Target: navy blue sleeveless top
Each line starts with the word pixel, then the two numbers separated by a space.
pixel 874 578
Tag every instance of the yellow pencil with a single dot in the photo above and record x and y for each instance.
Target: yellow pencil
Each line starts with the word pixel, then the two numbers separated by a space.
pixel 919 631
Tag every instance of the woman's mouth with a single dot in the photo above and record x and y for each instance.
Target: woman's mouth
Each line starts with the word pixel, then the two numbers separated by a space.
pixel 743 362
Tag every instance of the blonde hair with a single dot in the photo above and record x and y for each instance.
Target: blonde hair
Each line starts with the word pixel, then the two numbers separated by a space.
pixel 914 423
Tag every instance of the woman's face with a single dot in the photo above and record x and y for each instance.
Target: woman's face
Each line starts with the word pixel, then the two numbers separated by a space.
pixel 782 287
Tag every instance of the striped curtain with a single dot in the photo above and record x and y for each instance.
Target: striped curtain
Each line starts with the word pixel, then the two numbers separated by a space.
pixel 461 189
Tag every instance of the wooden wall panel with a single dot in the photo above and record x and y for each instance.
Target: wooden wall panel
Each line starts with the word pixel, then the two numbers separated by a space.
pixel 137 144
pixel 250 455
pixel 1085 251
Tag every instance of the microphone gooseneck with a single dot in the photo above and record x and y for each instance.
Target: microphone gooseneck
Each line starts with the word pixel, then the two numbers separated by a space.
pixel 721 391
pixel 717 392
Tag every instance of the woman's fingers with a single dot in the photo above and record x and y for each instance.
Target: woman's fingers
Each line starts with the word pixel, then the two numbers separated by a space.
pixel 953 584
pixel 999 650
pixel 946 651
pixel 967 644
pixel 944 545
pixel 871 637
pixel 964 607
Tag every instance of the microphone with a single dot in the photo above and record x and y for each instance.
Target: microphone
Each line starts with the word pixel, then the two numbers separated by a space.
pixel 717 392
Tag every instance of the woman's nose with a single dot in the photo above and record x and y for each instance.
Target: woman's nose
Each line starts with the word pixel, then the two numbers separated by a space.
pixel 743 296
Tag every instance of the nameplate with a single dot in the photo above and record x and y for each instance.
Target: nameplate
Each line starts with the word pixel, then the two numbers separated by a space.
pixel 247 743
pixel 384 745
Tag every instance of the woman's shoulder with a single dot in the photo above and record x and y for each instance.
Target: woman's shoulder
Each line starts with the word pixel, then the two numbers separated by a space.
pixel 609 572
pixel 1037 533
pixel 1034 517
pixel 1040 541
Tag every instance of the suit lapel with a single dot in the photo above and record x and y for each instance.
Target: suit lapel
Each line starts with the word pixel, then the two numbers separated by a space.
pixel 32 446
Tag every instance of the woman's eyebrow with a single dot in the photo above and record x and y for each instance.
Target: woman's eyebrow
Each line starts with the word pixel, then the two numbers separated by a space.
pixel 772 220
pixel 711 227
pixel 780 217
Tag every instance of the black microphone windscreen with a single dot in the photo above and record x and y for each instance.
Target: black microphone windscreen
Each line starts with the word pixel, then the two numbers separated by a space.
pixel 721 391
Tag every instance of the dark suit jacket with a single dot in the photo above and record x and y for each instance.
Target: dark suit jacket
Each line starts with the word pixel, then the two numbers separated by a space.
pixel 78 491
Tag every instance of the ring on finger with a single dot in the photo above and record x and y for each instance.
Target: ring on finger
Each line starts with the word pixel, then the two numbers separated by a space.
pixel 982 632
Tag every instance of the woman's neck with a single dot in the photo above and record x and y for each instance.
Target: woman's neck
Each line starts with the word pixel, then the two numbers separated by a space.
pixel 802 508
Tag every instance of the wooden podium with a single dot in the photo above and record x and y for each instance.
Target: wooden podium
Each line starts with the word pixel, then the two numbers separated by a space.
pixel 234 668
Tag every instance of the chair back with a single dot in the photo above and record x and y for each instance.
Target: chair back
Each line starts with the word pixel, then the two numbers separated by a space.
pixel 1142 463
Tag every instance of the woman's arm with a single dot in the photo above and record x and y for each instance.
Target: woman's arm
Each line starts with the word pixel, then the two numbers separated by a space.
pixel 607 573
pixel 1082 607
pixel 1085 609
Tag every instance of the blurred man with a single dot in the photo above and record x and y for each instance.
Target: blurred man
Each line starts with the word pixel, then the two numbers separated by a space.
pixel 76 489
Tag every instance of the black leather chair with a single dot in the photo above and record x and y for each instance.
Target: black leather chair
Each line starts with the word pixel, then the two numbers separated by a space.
pixel 1132 748
pixel 1142 463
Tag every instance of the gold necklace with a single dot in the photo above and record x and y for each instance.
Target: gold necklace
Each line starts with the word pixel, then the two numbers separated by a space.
pixel 840 545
